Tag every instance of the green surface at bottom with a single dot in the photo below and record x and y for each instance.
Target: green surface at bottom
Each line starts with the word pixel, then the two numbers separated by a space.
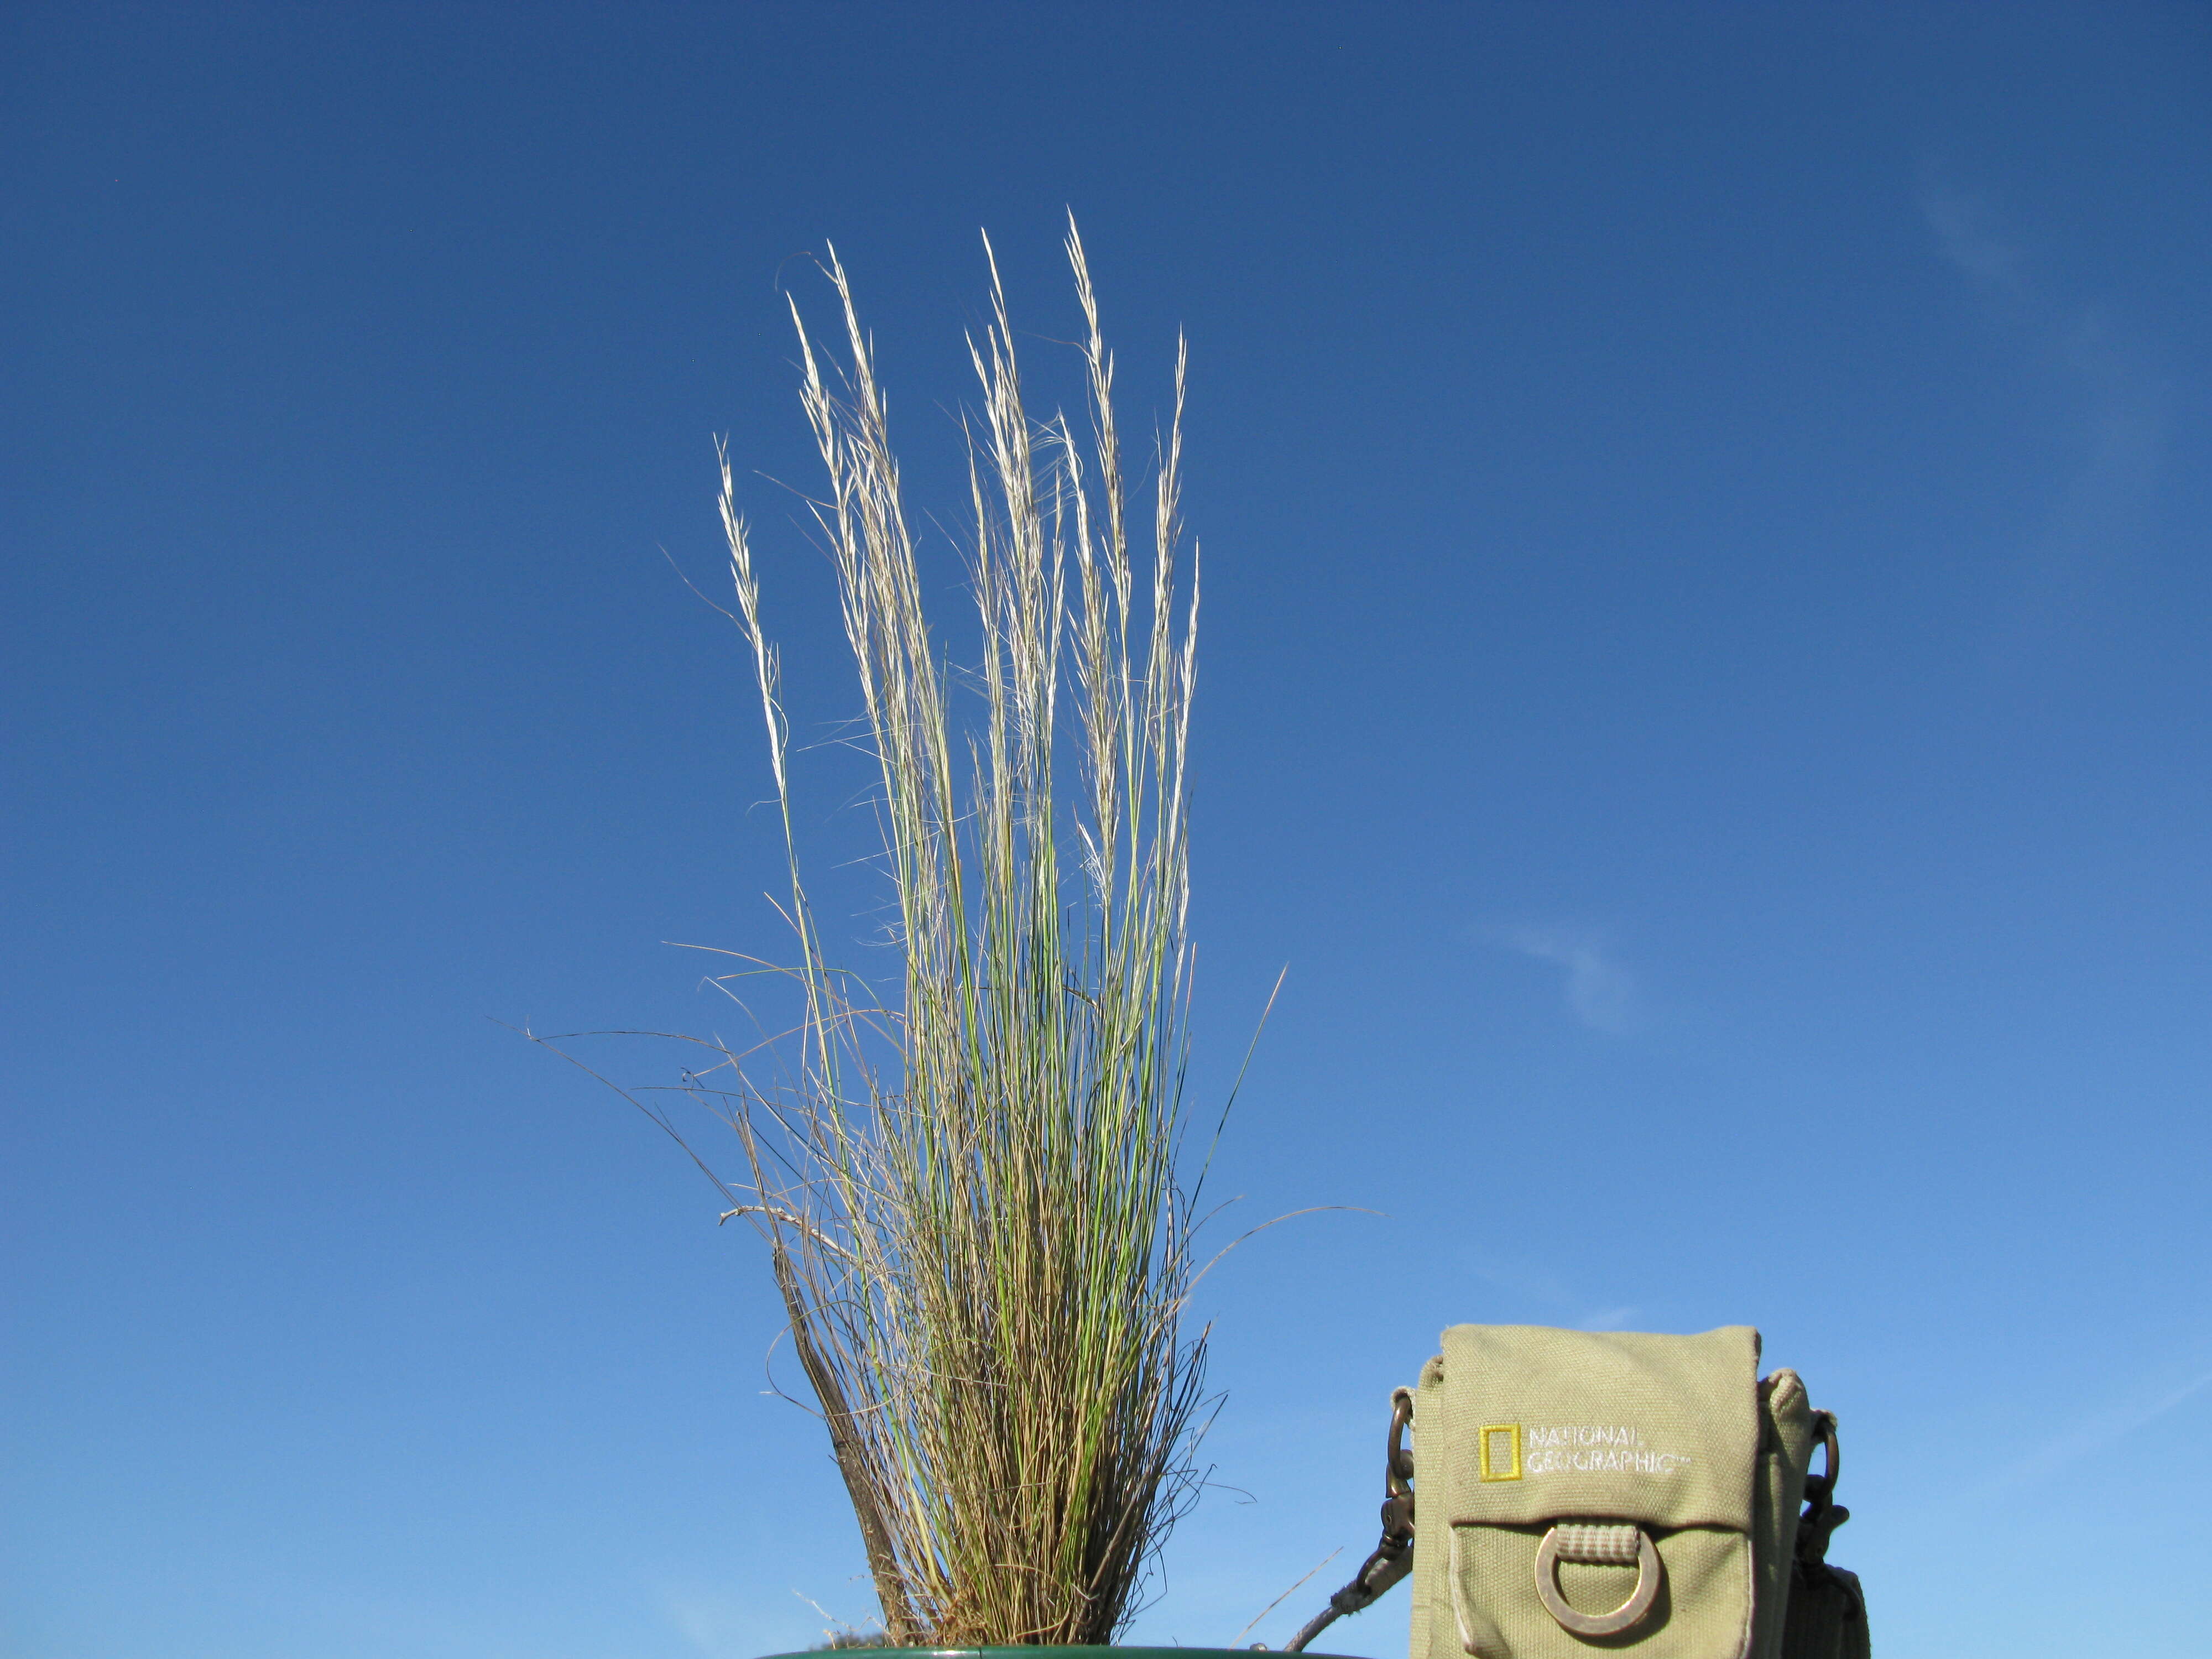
pixel 1071 1652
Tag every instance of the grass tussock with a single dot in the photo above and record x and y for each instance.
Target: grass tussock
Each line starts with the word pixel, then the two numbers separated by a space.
pixel 970 1193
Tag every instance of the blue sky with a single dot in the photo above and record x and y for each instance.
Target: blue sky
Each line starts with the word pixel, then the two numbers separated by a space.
pixel 1704 685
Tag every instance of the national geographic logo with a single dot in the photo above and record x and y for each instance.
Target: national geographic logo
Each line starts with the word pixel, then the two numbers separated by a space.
pixel 1509 1451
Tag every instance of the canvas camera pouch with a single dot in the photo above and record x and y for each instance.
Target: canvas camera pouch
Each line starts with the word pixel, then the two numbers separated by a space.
pixel 1606 1490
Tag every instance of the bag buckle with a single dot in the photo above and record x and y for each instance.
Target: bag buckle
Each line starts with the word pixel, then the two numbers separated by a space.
pixel 1609 1545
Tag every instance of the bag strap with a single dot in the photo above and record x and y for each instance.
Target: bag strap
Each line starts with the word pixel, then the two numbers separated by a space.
pixel 1828 1617
pixel 1392 1558
pixel 1822 1514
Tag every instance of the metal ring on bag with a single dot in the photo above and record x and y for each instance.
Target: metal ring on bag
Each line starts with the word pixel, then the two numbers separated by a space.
pixel 1576 1547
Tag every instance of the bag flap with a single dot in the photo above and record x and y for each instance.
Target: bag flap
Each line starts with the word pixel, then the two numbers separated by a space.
pixel 1547 1424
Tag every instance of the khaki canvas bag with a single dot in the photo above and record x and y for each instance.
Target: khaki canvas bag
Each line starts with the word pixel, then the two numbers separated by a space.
pixel 1583 1490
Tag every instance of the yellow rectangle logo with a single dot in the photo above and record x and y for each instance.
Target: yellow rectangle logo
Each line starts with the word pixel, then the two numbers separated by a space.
pixel 1501 1451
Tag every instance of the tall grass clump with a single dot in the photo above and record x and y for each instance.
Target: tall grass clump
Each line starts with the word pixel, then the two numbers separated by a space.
pixel 969 1190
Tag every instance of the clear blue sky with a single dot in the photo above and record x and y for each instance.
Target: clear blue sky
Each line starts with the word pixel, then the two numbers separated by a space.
pixel 1704 684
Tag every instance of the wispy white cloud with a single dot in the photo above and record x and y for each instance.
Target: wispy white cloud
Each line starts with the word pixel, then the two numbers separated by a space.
pixel 1610 1319
pixel 1968 231
pixel 1541 1285
pixel 2101 509
pixel 2039 1458
pixel 722 1626
pixel 711 1625
pixel 1600 992
pixel 1522 1278
pixel 2101 1430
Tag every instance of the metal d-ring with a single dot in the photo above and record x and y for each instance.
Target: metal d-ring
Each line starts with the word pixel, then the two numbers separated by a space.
pixel 1603 1544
